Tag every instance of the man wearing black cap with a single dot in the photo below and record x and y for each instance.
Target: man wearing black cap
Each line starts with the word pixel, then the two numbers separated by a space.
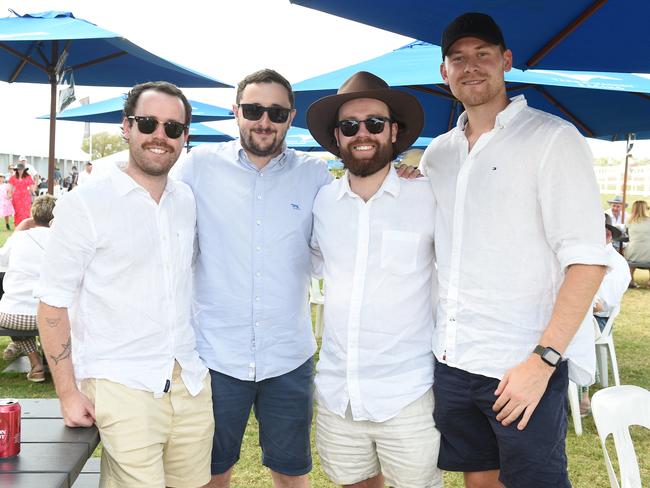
pixel 519 250
pixel 374 232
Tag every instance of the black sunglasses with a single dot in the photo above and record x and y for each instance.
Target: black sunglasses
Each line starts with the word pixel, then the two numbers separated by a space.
pixel 147 125
pixel 374 125
pixel 253 111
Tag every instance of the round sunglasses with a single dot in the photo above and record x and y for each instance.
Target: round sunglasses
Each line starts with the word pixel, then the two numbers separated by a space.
pixel 147 125
pixel 374 125
pixel 254 111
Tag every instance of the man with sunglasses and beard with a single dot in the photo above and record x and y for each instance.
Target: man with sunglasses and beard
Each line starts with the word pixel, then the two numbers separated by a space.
pixel 373 243
pixel 251 314
pixel 520 255
pixel 119 258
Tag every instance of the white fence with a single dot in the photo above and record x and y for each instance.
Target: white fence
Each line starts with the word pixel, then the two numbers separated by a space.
pixel 610 179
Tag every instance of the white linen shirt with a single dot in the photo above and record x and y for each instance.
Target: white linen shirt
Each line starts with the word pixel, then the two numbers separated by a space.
pixel 121 264
pixel 614 284
pixel 22 255
pixel 512 214
pixel 378 269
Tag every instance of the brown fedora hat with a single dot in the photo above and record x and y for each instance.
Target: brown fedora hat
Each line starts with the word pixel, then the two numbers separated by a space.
pixel 404 108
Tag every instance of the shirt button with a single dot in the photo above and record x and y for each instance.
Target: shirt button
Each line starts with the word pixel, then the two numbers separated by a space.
pixel 258 248
pixel 258 222
pixel 257 324
pixel 261 174
pixel 257 299
pixel 259 197
pixel 258 274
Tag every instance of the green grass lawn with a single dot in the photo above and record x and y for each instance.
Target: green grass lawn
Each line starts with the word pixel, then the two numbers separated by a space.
pixel 586 465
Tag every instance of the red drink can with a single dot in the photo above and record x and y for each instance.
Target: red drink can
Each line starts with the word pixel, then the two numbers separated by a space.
pixel 9 428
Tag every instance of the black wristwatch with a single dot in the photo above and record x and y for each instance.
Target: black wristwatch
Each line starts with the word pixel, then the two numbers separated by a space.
pixel 549 355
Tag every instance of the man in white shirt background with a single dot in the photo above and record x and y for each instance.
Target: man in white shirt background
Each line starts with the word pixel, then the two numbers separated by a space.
pixel 616 281
pixel 374 232
pixel 615 211
pixel 611 290
pixel 84 176
pixel 510 310
pixel 114 312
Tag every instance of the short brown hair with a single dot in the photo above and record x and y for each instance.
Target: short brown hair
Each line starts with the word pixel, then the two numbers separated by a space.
pixel 265 76
pixel 43 210
pixel 160 86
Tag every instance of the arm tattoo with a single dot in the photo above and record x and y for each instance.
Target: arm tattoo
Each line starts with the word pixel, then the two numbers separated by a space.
pixel 65 353
pixel 52 322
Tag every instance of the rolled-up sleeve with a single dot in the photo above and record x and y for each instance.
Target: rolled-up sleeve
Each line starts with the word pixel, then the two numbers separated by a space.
pixel 569 201
pixel 70 248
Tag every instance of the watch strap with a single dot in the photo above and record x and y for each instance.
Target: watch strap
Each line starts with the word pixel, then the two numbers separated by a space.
pixel 543 352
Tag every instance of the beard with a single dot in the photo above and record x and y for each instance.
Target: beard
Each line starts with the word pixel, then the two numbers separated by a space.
pixel 363 167
pixel 258 149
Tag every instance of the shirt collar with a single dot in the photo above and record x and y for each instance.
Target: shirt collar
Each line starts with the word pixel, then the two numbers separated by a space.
pixel 279 161
pixel 125 184
pixel 516 105
pixel 390 185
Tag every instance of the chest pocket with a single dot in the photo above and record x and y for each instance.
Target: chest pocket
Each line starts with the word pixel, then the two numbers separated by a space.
pixel 399 251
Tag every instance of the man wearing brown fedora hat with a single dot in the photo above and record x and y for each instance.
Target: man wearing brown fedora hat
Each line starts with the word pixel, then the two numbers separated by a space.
pixel 373 244
pixel 512 320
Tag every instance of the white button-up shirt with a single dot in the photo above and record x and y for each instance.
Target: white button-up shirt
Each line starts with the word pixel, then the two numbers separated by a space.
pixel 22 256
pixel 378 268
pixel 614 283
pixel 512 214
pixel 121 264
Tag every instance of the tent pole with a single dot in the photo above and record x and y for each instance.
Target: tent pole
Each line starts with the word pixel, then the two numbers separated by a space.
pixel 628 150
pixel 50 165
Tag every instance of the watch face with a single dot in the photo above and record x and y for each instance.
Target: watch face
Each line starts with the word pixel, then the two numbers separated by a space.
pixel 552 356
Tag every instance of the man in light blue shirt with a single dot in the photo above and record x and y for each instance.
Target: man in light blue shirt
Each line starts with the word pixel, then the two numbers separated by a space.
pixel 251 314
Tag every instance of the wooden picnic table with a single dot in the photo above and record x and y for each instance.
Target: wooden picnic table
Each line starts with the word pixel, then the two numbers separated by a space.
pixel 51 454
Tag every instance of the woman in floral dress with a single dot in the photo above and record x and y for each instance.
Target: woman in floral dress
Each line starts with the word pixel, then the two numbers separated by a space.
pixel 23 185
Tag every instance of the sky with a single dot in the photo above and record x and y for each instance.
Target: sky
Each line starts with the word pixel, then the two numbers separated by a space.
pixel 224 39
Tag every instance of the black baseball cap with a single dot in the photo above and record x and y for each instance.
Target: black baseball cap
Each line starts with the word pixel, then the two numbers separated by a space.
pixel 472 24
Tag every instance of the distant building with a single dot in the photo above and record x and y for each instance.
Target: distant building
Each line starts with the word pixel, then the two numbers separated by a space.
pixel 610 179
pixel 40 162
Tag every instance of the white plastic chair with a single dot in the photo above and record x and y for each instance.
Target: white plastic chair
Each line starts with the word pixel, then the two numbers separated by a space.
pixel 317 298
pixel 614 410
pixel 574 403
pixel 605 346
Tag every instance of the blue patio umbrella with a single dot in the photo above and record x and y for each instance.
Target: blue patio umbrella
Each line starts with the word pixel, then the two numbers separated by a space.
pixel 110 112
pixel 602 105
pixel 200 133
pixel 594 35
pixel 43 47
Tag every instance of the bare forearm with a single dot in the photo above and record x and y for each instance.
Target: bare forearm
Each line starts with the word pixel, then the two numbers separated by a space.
pixel 574 300
pixel 54 330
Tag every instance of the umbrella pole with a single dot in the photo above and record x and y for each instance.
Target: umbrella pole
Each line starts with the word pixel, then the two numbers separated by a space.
pixel 628 150
pixel 50 165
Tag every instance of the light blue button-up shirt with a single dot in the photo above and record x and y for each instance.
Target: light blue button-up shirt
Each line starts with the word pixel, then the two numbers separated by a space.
pixel 251 309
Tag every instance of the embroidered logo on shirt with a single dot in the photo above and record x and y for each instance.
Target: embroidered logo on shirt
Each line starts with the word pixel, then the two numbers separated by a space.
pixel 295 206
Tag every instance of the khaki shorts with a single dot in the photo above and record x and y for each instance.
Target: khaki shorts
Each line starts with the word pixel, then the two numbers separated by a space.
pixel 152 442
pixel 404 448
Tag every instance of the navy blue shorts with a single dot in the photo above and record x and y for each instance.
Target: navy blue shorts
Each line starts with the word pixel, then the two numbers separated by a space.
pixel 283 407
pixel 473 440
